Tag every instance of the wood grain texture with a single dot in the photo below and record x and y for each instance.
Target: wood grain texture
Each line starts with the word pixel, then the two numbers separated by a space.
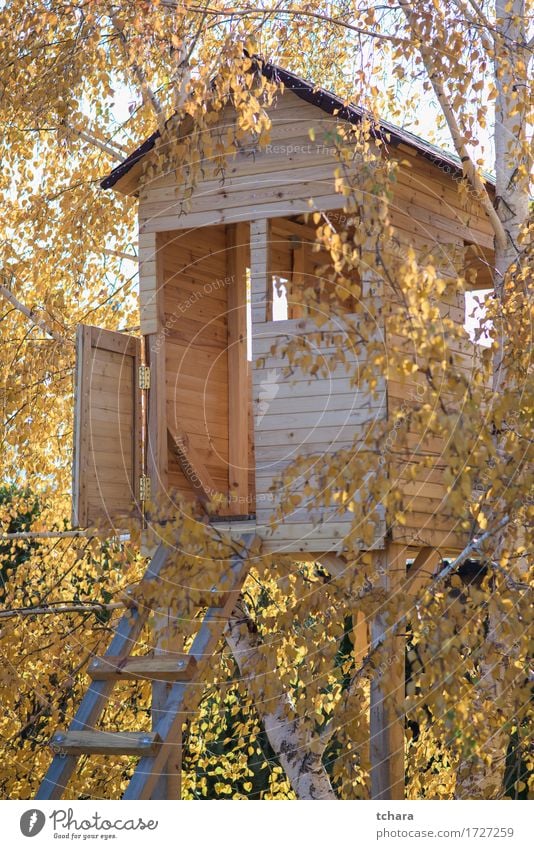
pixel 238 386
pixel 157 463
pixel 195 326
pixel 140 743
pixel 96 698
pixel 388 687
pixel 107 431
pixel 157 667
pixel 328 415
pixel 268 187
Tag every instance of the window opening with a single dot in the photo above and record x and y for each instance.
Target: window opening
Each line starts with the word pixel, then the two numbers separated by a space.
pixel 475 316
pixel 279 298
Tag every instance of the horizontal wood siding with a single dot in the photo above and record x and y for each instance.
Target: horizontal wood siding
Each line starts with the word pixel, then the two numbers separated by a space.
pixel 271 181
pixel 417 465
pixel 296 415
pixel 280 177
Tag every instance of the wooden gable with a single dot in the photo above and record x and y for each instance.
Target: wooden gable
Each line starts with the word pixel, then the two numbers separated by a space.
pixel 275 178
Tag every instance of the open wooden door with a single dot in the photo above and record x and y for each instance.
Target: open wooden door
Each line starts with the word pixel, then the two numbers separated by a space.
pixel 107 428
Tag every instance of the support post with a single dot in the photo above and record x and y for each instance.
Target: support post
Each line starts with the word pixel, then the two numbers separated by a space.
pixel 169 783
pixel 295 309
pixel 156 434
pixel 360 636
pixel 237 242
pixel 388 686
pixel 151 286
pixel 260 272
pixel 425 565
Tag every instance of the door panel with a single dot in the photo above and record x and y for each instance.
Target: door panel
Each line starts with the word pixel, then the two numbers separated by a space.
pixel 107 428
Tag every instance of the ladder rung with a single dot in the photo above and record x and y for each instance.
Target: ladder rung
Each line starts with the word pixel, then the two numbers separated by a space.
pixel 152 668
pixel 143 743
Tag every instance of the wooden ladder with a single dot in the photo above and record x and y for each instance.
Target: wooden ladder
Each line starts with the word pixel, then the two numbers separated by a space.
pixel 185 671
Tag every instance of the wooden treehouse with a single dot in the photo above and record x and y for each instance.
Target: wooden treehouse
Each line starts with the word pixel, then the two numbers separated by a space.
pixel 203 402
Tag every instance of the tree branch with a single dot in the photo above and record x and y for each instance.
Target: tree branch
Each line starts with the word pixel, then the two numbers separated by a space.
pixel 479 14
pixel 468 165
pixel 264 13
pixel 121 254
pixel 60 609
pixel 30 314
pixel 148 94
pixel 474 546
pixel 106 148
pixel 82 532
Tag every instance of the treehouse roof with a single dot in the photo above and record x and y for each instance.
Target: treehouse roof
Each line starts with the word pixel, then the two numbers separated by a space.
pixel 331 104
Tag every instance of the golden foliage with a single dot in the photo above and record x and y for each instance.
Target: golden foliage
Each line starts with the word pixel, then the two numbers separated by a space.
pixel 64 243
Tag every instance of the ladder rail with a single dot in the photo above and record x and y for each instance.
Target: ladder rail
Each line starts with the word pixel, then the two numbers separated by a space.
pixel 94 701
pixel 183 694
pixel 168 728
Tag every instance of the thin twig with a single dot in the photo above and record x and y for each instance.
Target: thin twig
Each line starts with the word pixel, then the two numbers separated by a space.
pixel 82 607
pixel 106 148
pixel 146 91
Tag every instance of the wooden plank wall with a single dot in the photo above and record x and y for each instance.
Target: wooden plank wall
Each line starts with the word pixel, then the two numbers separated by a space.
pixel 269 182
pixel 428 213
pixel 301 416
pixel 195 327
pixel 280 178
pixel 289 413
pixel 296 415
pixel 425 497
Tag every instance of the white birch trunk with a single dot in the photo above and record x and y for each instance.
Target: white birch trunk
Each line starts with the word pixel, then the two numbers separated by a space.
pixel 512 159
pixel 485 779
pixel 288 738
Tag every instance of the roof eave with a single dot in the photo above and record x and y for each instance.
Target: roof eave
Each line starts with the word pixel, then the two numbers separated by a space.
pixel 327 102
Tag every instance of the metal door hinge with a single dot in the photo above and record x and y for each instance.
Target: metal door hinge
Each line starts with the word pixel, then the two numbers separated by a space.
pixel 145 488
pixel 144 377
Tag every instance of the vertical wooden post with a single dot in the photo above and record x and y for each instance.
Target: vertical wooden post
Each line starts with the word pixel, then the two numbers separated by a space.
pixel 151 288
pixel 82 435
pixel 297 278
pixel 260 276
pixel 237 244
pixel 388 687
pixel 261 312
pixel 360 636
pixel 169 783
pixel 153 327
pixel 337 566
